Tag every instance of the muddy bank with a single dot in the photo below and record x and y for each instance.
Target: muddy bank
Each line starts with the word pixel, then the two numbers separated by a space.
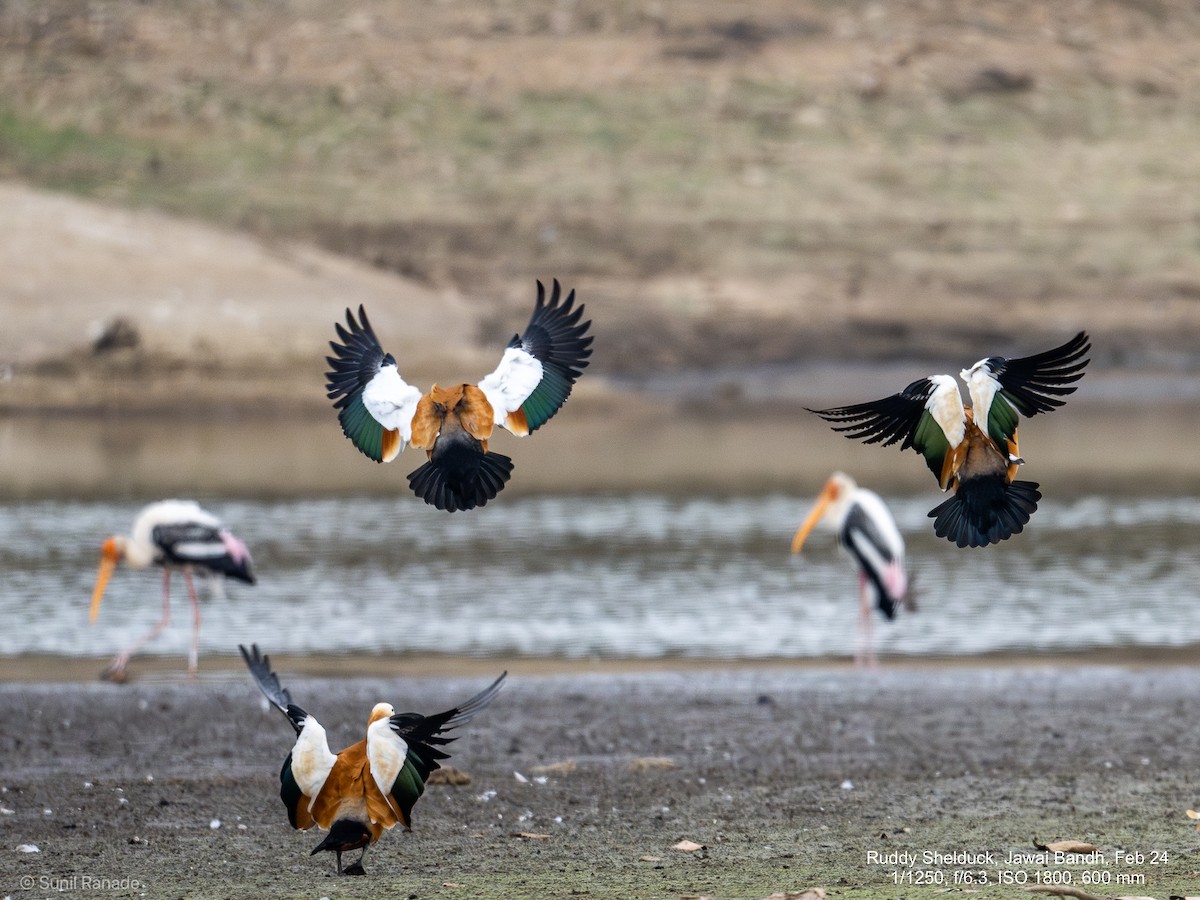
pixel 788 778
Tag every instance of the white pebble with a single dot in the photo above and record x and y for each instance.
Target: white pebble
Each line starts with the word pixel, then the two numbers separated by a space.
pixel 28 848
pixel 521 778
pixel 214 824
pixel 847 785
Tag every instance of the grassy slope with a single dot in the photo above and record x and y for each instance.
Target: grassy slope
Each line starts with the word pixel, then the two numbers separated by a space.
pixel 874 167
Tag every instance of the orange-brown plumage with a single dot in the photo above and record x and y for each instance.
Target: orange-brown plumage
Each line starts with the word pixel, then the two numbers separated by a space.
pixel 391 444
pixel 518 423
pixel 370 786
pixel 446 410
pixel 350 791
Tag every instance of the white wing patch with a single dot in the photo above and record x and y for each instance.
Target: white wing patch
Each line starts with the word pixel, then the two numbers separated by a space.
pixel 982 386
pixel 391 401
pixel 386 754
pixel 312 760
pixel 946 406
pixel 517 376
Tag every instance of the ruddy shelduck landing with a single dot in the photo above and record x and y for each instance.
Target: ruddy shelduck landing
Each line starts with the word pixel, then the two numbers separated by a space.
pixel 866 530
pixel 179 536
pixel 381 414
pixel 972 450
pixel 370 786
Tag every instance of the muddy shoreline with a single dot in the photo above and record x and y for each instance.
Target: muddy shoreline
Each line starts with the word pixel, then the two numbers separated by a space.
pixel 786 776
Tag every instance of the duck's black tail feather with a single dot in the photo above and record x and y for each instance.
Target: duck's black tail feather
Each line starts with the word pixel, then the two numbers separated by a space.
pixel 461 475
pixel 985 511
pixel 344 835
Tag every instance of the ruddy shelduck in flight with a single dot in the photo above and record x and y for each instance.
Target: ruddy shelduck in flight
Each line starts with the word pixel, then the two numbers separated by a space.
pixel 381 414
pixel 972 450
pixel 178 536
pixel 372 785
pixel 867 531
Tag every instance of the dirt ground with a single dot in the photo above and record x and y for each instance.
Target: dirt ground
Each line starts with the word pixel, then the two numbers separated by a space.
pixel 583 784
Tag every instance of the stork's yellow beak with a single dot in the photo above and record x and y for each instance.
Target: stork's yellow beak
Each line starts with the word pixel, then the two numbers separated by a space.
pixel 814 517
pixel 109 554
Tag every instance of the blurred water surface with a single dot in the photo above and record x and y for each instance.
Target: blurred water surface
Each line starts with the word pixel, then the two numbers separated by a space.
pixel 619 575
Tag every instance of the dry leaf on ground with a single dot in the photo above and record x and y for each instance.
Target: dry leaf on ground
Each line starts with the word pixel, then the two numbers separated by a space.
pixel 448 775
pixel 652 763
pixel 566 767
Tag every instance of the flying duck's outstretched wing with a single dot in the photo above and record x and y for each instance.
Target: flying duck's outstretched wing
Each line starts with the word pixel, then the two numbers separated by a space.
pixel 1025 386
pixel 927 416
pixel 375 405
pixel 539 366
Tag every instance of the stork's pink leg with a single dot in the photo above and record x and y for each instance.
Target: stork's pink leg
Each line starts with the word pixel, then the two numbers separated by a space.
pixel 116 668
pixel 865 657
pixel 194 653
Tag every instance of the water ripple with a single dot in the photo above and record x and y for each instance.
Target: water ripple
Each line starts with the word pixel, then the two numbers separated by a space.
pixel 622 576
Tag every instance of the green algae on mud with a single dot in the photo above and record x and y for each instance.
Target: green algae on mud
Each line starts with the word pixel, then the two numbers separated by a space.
pixel 788 778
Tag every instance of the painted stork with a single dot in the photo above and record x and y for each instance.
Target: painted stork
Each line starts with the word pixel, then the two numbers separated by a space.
pixel 370 786
pixel 380 413
pixel 177 535
pixel 866 530
pixel 972 450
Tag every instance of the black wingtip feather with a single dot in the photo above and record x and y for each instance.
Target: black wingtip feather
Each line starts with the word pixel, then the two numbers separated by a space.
pixel 355 360
pixel 1037 383
pixel 259 665
pixel 560 342
pixel 888 421
pixel 425 734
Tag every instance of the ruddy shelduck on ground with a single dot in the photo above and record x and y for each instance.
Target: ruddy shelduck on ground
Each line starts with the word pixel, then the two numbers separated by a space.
pixel 179 536
pixel 381 414
pixel 972 450
pixel 370 786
